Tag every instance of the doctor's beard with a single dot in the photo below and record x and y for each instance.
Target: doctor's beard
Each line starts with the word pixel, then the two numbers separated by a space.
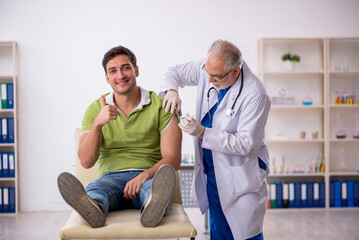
pixel 220 86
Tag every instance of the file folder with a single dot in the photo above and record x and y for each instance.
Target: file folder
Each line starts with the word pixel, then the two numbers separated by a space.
pixel 11 199
pixel 285 195
pixel 291 195
pixel 5 165
pixel 11 130
pixel 268 201
pixel 322 194
pixel 356 194
pixel 1 201
pixel 344 195
pixel 5 195
pixel 337 194
pixel 10 95
pixel 1 171
pixel 331 197
pixel 350 187
pixel 3 92
pixel 298 195
pixel 273 195
pixel 279 195
pixel 11 157
pixel 304 195
pixel 4 129
pixel 310 200
pixel 0 130
pixel 316 194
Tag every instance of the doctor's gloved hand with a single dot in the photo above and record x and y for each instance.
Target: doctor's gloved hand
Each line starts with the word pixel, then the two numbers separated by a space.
pixel 191 126
pixel 173 101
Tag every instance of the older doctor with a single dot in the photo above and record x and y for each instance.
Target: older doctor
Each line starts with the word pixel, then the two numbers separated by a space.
pixel 231 157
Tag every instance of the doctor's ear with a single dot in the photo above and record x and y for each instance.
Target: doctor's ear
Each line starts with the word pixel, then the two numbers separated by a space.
pixel 236 71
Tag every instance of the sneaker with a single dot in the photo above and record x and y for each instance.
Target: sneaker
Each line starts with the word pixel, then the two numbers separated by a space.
pixel 74 194
pixel 162 188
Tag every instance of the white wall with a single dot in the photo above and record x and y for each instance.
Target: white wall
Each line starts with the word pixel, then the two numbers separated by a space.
pixel 61 45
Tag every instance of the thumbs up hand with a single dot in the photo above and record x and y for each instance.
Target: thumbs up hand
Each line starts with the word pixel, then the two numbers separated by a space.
pixel 107 113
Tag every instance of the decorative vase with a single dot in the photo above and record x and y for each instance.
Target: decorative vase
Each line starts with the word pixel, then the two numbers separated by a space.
pixel 289 65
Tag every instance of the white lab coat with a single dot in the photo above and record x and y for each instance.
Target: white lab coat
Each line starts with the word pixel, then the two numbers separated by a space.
pixel 236 143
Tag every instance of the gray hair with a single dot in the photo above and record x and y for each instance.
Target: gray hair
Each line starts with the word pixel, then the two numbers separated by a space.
pixel 228 52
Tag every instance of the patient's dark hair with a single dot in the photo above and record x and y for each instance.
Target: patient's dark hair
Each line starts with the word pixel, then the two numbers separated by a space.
pixel 114 52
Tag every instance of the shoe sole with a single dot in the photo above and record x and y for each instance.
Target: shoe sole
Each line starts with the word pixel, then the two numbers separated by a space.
pixel 74 194
pixel 162 188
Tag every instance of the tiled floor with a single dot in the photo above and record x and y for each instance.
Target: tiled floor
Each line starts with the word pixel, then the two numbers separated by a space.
pixel 278 224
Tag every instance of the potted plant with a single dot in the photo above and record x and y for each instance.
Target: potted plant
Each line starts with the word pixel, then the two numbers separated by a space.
pixel 315 134
pixel 302 134
pixel 289 60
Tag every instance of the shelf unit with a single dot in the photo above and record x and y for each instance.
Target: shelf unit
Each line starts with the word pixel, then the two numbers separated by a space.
pixel 327 65
pixel 343 75
pixel 8 74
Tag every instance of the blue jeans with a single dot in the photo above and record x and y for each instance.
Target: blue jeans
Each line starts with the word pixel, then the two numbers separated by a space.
pixel 108 191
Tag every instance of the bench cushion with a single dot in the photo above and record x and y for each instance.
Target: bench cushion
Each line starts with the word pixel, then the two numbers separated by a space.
pixel 126 224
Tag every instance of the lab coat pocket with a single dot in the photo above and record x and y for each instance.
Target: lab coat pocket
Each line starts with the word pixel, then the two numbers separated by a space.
pixel 247 177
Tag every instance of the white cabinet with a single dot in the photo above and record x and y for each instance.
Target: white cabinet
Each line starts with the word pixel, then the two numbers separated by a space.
pixel 303 101
pixel 8 119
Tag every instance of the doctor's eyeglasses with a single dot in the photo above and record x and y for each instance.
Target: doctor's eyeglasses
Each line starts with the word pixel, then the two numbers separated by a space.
pixel 216 77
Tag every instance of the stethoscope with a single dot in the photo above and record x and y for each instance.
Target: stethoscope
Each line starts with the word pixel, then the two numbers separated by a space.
pixel 230 111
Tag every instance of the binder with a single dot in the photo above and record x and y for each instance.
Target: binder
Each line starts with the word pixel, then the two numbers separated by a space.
pixel 356 194
pixel 344 195
pixel 1 201
pixel 4 138
pixel 291 195
pixel 11 199
pixel 5 165
pixel 10 95
pixel 11 130
pixel 316 194
pixel 279 195
pixel 0 130
pixel 350 187
pixel 322 194
pixel 337 194
pixel 1 171
pixel 11 164
pixel 304 195
pixel 285 195
pixel 297 195
pixel 273 195
pixel 268 201
pixel 3 92
pixel 331 197
pixel 310 200
pixel 5 195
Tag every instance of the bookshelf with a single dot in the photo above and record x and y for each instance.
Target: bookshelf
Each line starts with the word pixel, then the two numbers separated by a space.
pixel 329 67
pixel 9 183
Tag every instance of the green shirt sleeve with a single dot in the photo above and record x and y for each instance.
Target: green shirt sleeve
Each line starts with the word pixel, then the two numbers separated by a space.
pixel 91 114
pixel 165 119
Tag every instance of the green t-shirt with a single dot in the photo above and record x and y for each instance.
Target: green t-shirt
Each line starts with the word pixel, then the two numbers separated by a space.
pixel 133 142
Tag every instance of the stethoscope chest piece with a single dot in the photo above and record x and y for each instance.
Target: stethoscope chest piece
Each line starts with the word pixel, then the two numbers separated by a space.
pixel 230 112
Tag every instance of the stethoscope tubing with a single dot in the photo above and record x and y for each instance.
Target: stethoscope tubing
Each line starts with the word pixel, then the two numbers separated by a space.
pixel 230 111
